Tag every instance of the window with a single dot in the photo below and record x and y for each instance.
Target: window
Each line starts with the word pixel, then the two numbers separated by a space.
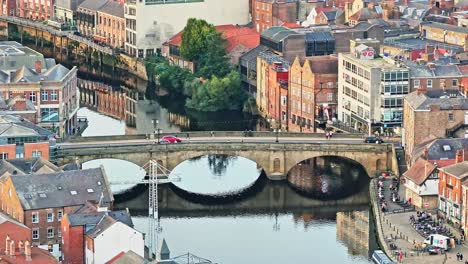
pixel 50 248
pixel 32 97
pixel 35 217
pixel 454 82
pixel 416 83
pixel 50 217
pixel 36 154
pixel 59 215
pixel 450 117
pixel 59 233
pixel 35 233
pixel 49 115
pixel 429 83
pixel 44 96
pixel 50 232
pixel 4 156
pixel 330 97
pixel 53 95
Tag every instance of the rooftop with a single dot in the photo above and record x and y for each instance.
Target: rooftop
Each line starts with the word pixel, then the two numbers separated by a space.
pixel 15 126
pixel 62 189
pixel 92 5
pixel 127 258
pixel 114 8
pixel 420 171
pixel 445 27
pixel 458 170
pixel 378 62
pixel 277 33
pixel 442 150
pixel 446 100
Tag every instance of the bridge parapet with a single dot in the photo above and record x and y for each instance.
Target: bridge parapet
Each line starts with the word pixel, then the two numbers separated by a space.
pixel 276 159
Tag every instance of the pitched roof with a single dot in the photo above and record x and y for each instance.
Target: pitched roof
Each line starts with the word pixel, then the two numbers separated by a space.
pixel 32 165
pixel 458 170
pixel 420 171
pixel 114 8
pixel 62 189
pixel 234 35
pixel 127 258
pixel 92 4
pixel 324 64
pixel 442 150
pixel 364 14
pixel 105 223
pixel 423 102
pixel 5 218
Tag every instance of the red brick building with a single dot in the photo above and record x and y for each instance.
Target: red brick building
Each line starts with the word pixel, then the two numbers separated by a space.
pixel 269 13
pixel 15 245
pixel 55 195
pixel 451 179
pixel 8 7
pixel 110 24
pixel 37 10
pixel 23 139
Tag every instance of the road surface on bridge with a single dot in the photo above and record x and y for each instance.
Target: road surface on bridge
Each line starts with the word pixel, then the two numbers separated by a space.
pixel 201 140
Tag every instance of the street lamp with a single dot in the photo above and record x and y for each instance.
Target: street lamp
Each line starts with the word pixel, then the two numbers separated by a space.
pixel 156 129
pixel 274 130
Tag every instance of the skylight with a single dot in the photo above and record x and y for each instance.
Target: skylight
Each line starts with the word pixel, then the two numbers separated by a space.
pixel 90 190
pixel 73 192
pixel 446 147
pixel 27 196
pixel 42 195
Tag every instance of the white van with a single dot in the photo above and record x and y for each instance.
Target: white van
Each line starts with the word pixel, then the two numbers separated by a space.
pixel 439 241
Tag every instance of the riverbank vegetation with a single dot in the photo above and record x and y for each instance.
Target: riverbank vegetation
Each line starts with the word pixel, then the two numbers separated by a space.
pixel 214 85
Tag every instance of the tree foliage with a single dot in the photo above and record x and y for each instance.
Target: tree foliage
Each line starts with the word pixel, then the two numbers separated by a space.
pixel 218 94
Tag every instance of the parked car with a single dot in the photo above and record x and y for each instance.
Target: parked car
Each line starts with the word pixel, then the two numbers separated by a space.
pixel 373 140
pixel 172 139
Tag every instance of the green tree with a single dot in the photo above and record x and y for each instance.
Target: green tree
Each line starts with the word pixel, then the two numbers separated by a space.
pixel 218 93
pixel 194 38
pixel 214 61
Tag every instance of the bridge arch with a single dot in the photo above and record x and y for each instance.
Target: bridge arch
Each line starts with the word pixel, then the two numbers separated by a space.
pixel 275 159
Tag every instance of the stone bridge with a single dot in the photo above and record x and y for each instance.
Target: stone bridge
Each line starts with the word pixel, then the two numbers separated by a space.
pixel 276 159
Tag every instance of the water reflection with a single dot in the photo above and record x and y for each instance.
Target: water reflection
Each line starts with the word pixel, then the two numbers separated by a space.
pixel 101 125
pixel 216 175
pixel 327 177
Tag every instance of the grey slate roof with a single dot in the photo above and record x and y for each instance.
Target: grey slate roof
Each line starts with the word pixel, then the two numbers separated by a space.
pixel 459 170
pixel 436 151
pixel 319 36
pixel 113 8
pixel 272 57
pixel 424 102
pixel 60 188
pixel 277 33
pixel 11 126
pixel 25 74
pixel 28 166
pixel 446 27
pixel 93 5
pixel 130 258
pixel 250 57
pixel 102 226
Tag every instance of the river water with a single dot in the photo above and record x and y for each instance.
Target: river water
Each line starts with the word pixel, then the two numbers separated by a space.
pixel 224 208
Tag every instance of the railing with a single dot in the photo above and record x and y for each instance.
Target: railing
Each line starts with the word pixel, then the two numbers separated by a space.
pixel 345 128
pixel 69 34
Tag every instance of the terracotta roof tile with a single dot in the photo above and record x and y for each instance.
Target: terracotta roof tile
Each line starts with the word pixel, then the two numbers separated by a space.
pixel 420 171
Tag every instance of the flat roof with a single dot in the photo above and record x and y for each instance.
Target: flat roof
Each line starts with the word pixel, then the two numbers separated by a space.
pixel 374 63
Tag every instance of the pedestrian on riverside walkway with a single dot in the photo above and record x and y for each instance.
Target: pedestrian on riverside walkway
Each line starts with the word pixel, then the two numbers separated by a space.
pixel 461 257
pixel 458 256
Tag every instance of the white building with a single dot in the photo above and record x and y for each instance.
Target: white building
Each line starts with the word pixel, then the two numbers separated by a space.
pixel 149 23
pixel 422 184
pixel 109 238
pixel 370 90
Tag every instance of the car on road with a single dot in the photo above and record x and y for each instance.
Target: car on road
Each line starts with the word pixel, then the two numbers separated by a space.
pixel 172 139
pixel 373 140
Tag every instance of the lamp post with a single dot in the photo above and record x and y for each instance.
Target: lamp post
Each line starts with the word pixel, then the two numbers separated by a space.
pixel 270 121
pixel 156 129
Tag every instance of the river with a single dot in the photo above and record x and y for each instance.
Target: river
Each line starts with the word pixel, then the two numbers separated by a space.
pixel 224 208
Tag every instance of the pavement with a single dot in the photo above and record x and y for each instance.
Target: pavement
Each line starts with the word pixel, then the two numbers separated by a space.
pixel 200 140
pixel 398 230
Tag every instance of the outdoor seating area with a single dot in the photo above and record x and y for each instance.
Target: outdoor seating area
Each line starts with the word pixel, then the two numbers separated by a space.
pixel 425 224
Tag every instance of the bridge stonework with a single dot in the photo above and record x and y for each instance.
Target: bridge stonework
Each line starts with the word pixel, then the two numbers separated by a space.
pixel 275 159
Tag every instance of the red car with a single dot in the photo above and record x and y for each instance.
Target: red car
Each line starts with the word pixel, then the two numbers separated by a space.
pixel 171 139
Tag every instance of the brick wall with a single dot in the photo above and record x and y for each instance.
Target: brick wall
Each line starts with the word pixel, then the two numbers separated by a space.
pixel 9 149
pixel 42 147
pixel 9 202
pixel 73 243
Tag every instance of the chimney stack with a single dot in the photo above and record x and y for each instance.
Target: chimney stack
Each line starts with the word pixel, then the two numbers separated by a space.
pixel 459 156
pixel 38 67
pixel 7 245
pixel 27 250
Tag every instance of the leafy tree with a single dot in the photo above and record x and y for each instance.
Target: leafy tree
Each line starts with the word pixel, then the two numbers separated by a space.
pixel 194 38
pixel 214 61
pixel 218 94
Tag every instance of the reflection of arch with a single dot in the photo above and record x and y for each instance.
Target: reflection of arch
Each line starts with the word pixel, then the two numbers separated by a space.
pixel 358 164
pixel 276 165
